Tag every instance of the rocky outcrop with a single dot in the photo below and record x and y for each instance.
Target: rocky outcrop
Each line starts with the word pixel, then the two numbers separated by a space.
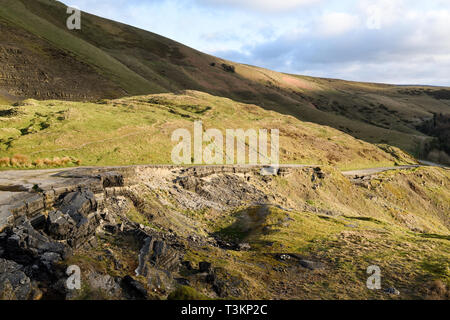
pixel 76 219
pixel 131 230
pixel 14 283
pixel 47 227
pixel 26 245
pixel 157 262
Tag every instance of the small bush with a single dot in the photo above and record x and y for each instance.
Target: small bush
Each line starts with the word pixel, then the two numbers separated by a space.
pixel 19 160
pixel 56 161
pixel 5 162
pixel 23 161
pixel 65 160
pixel 38 162
pixel 228 68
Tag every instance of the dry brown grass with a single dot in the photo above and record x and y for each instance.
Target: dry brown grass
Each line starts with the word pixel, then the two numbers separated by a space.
pixel 22 161
pixel 5 162
pixel 438 290
pixel 19 160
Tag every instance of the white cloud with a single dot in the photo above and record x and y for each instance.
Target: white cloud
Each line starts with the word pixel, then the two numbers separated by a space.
pixel 395 41
pixel 382 13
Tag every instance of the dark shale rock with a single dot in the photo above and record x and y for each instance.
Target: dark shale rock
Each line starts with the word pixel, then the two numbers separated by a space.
pixel 79 204
pixel 25 244
pixel 183 281
pixel 157 254
pixel 14 284
pixel 48 259
pixel 60 225
pixel 157 262
pixel 76 220
pixel 112 179
pixel 187 265
pixel 307 263
pixel 311 265
pixel 392 291
pixel 224 284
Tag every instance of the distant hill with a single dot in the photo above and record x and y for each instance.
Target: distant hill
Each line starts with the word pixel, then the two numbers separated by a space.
pixel 40 58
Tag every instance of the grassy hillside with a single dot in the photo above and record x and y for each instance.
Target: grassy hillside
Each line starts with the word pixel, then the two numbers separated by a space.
pixel 137 130
pixel 313 239
pixel 41 59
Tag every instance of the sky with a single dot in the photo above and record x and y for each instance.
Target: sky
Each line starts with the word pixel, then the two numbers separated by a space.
pixel 389 41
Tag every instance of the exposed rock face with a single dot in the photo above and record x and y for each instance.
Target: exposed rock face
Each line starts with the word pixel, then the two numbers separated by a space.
pixel 107 284
pixel 60 225
pixel 224 284
pixel 77 219
pixel 25 245
pixel 75 222
pixel 157 261
pixel 34 243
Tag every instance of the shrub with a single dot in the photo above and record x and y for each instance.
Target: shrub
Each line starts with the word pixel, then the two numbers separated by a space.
pixel 38 162
pixel 65 160
pixel 228 68
pixel 56 161
pixel 20 160
pixel 23 161
pixel 5 162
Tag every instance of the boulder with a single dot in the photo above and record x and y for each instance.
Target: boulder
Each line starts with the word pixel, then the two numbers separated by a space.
pixel 76 220
pixel 112 179
pixel 244 246
pixel 14 284
pixel 60 225
pixel 392 291
pixel 79 204
pixel 159 255
pixel 25 244
pixel 108 285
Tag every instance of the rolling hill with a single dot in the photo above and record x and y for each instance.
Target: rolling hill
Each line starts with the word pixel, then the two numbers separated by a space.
pixel 137 130
pixel 40 58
